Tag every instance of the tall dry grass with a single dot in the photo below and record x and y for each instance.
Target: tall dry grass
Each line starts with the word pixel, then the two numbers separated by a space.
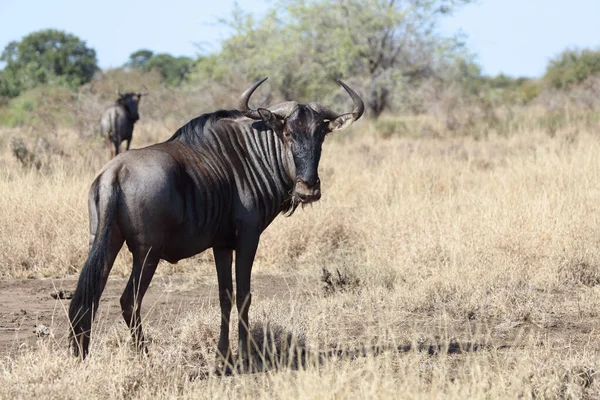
pixel 437 241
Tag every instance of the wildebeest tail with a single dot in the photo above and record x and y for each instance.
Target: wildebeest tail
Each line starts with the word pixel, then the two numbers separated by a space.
pixel 84 303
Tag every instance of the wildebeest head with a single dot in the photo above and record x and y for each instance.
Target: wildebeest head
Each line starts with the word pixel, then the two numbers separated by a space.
pixel 130 102
pixel 303 128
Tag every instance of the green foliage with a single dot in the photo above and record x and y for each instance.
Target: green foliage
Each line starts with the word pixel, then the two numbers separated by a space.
pixel 529 90
pixel 499 89
pixel 42 106
pixel 572 67
pixel 139 59
pixel 508 90
pixel 467 75
pixel 380 47
pixel 10 85
pixel 173 70
pixel 557 120
pixel 47 57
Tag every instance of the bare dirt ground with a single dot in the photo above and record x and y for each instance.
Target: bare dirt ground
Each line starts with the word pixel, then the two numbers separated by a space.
pixel 28 304
pixel 548 356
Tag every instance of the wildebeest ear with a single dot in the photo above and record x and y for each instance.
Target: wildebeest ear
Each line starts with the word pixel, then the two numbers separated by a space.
pixel 270 120
pixel 341 122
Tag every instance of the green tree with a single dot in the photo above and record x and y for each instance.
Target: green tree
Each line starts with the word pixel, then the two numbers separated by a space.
pixel 46 57
pixel 381 46
pixel 139 59
pixel 173 70
pixel 572 67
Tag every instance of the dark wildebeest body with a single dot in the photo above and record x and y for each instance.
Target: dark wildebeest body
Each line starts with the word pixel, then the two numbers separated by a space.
pixel 218 182
pixel 116 124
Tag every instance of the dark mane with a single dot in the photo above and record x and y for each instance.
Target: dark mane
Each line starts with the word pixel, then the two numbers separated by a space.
pixel 194 128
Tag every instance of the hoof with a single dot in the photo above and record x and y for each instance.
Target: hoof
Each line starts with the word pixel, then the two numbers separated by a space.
pixel 223 371
pixel 225 365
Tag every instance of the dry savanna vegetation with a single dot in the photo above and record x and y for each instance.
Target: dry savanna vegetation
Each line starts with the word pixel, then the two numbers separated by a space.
pixel 446 266
pixel 454 253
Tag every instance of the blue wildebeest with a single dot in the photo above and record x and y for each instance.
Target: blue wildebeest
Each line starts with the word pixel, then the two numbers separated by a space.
pixel 116 124
pixel 218 182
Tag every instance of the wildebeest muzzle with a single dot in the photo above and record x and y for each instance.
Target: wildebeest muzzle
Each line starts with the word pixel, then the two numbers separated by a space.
pixel 307 192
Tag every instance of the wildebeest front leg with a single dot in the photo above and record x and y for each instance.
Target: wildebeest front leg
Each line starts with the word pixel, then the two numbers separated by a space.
pixel 223 261
pixel 128 143
pixel 244 258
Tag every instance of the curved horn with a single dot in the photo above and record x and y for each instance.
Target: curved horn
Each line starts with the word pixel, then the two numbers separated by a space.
pixel 359 106
pixel 357 112
pixel 119 92
pixel 243 104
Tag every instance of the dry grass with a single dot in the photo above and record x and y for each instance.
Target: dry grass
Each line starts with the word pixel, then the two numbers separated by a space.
pixel 489 245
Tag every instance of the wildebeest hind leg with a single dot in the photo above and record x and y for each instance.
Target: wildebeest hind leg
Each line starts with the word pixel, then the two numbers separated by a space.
pixel 110 146
pixel 223 261
pixel 101 257
pixel 145 261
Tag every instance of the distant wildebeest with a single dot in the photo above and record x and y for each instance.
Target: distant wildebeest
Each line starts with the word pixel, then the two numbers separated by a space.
pixel 218 182
pixel 116 124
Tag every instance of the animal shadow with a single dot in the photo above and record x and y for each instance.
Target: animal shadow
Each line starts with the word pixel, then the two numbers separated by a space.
pixel 275 348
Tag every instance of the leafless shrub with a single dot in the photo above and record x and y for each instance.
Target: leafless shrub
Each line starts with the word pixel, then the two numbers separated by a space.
pixel 26 157
pixel 566 382
pixel 43 154
pixel 580 375
pixel 579 272
pixel 340 282
pixel 274 347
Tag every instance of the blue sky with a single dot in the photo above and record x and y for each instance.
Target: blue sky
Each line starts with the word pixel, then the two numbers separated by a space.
pixel 516 37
